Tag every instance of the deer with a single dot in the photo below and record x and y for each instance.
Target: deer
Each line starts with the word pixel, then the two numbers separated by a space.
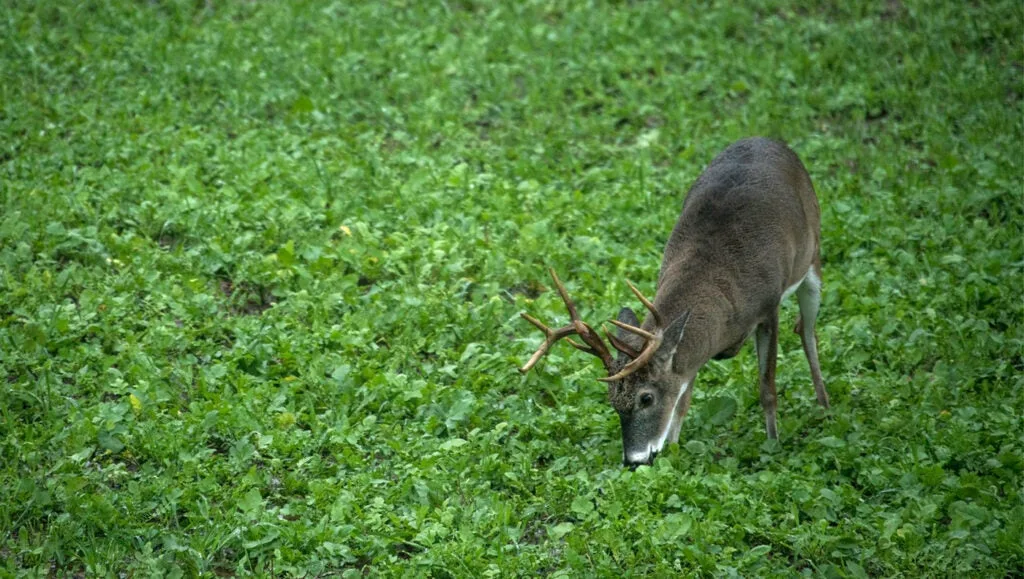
pixel 747 238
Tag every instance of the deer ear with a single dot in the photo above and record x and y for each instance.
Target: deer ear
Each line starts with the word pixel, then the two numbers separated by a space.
pixel 627 316
pixel 671 338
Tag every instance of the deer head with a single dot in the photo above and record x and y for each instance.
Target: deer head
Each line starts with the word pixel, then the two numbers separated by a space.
pixel 643 385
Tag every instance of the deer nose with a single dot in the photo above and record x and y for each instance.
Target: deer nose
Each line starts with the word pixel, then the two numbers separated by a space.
pixel 632 460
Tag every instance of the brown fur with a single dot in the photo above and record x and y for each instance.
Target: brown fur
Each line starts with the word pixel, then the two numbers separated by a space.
pixel 749 229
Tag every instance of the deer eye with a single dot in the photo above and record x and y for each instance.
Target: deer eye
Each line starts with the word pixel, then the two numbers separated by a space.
pixel 646 399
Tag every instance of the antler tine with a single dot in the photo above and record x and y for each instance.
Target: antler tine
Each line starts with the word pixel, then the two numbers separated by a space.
pixel 647 304
pixel 583 347
pixel 540 325
pixel 650 348
pixel 550 337
pixel 569 305
pixel 620 345
pixel 594 344
pixel 633 329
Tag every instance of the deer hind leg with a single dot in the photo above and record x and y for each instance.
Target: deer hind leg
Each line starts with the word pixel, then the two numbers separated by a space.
pixel 808 295
pixel 766 338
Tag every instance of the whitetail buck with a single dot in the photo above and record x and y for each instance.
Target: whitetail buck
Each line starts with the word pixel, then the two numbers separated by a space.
pixel 748 236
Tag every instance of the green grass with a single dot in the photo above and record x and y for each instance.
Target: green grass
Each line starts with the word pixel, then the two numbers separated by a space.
pixel 261 266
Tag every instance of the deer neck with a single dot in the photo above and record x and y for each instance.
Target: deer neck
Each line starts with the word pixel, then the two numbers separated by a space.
pixel 707 331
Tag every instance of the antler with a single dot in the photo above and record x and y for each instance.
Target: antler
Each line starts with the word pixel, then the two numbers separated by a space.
pixel 658 323
pixel 594 344
pixel 620 345
pixel 651 343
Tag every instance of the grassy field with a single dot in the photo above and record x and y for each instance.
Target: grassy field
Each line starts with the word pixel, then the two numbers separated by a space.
pixel 261 265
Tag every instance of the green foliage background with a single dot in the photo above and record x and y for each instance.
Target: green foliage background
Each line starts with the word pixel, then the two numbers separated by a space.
pixel 261 265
